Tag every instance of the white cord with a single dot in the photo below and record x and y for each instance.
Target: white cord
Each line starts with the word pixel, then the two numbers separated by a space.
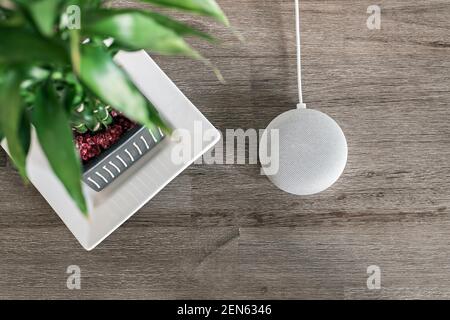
pixel 299 55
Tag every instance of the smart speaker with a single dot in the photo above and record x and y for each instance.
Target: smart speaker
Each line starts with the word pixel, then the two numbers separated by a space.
pixel 312 151
pixel 311 147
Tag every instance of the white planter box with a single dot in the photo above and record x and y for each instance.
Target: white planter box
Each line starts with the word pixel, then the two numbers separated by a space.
pixel 119 201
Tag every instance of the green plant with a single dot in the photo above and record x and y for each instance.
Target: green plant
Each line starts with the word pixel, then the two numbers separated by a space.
pixel 57 78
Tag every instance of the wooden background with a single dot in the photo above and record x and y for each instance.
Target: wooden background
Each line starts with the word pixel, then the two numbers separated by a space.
pixel 223 231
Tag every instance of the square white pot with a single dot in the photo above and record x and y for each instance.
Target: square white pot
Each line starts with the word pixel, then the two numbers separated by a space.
pixel 132 190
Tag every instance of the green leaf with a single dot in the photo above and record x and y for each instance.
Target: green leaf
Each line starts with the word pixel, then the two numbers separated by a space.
pixel 84 4
pixel 5 13
pixel 44 14
pixel 202 7
pixel 55 136
pixel 25 133
pixel 110 84
pixel 11 115
pixel 179 28
pixel 20 45
pixel 156 120
pixel 10 17
pixel 135 30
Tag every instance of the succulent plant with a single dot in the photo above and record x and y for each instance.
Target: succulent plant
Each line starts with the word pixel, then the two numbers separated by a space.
pixel 92 142
pixel 58 76
pixel 91 117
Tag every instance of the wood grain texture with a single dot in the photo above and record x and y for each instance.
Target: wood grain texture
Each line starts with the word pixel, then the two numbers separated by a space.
pixel 223 231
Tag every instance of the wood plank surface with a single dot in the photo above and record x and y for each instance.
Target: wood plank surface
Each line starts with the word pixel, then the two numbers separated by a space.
pixel 223 231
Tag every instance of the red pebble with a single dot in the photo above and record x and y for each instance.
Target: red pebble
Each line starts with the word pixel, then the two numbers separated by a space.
pixel 91 145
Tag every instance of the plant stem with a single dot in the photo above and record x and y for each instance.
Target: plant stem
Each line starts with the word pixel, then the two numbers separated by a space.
pixel 75 50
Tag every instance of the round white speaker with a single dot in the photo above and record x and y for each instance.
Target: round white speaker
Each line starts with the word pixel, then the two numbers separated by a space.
pixel 303 151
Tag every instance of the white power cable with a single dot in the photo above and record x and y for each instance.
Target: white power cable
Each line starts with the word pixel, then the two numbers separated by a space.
pixel 299 55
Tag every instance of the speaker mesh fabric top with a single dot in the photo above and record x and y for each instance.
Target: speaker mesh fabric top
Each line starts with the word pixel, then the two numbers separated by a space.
pixel 312 151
